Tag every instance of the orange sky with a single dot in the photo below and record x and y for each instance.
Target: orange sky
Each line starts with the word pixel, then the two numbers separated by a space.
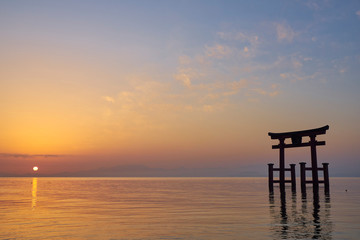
pixel 94 86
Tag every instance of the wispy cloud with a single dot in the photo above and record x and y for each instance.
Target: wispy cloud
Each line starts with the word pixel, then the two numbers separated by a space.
pixel 248 42
pixel 217 51
pixel 313 5
pixel 108 99
pixel 184 78
pixel 317 5
pixel 252 39
pixel 343 70
pixel 271 93
pixel 235 86
pixel 215 75
pixel 284 32
pixel 293 77
pixel 19 155
pixel 212 78
pixel 296 63
pixel 208 108
pixel 358 13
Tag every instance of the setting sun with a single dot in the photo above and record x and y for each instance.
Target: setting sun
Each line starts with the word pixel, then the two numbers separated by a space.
pixel 35 168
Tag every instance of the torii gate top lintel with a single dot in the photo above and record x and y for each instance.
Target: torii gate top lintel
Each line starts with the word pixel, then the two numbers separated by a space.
pixel 296 137
pixel 309 132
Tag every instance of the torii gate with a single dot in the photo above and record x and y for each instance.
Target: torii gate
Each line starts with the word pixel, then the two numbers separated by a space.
pixel 296 141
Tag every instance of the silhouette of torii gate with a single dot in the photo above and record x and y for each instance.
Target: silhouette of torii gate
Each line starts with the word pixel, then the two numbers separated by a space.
pixel 296 141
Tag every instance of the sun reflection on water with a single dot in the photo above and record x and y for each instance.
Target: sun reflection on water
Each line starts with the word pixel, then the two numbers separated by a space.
pixel 34 192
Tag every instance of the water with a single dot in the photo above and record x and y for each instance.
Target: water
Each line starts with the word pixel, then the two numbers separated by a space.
pixel 173 208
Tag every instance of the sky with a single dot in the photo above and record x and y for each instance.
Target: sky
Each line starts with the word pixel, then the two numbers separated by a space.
pixel 177 84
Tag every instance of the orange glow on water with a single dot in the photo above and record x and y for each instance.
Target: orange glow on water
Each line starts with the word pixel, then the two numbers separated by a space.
pixel 34 193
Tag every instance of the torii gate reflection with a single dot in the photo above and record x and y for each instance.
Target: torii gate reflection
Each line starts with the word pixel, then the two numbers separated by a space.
pixel 296 141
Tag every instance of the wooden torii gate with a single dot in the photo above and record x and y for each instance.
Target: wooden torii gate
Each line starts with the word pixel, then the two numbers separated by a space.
pixel 296 141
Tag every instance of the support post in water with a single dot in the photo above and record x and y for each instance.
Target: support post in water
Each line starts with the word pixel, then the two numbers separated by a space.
pixel 303 177
pixel 296 141
pixel 326 177
pixel 314 167
pixel 271 177
pixel 282 165
pixel 293 177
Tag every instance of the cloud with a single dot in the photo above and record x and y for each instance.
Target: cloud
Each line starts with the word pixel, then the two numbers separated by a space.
pixel 358 13
pixel 266 93
pixel 239 36
pixel 217 51
pixel 19 155
pixel 317 5
pixel 188 108
pixel 143 106
pixel 144 98
pixel 218 75
pixel 244 44
pixel 236 85
pixel 270 93
pixel 284 32
pixel 296 63
pixel 293 77
pixel 214 107
pixel 108 99
pixel 285 64
pixel 284 75
pixel 208 108
pixel 184 78
pixel 184 60
pixel 313 5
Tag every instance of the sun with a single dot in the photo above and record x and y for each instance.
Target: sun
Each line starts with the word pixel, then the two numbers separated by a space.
pixel 35 168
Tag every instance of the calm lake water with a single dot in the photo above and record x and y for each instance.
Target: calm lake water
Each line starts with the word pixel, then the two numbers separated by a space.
pixel 174 208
